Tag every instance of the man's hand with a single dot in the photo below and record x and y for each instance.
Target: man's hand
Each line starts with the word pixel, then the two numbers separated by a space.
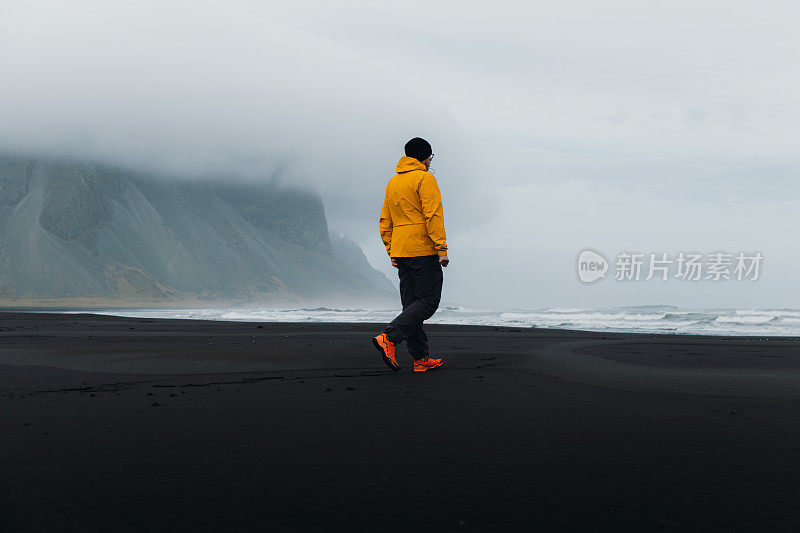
pixel 394 264
pixel 444 261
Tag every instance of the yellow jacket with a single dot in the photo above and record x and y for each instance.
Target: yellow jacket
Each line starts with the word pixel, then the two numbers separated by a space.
pixel 412 218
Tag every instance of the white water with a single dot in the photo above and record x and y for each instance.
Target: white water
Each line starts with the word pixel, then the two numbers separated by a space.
pixel 645 319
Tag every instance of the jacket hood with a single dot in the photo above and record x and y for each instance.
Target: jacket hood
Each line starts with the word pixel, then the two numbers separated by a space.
pixel 407 164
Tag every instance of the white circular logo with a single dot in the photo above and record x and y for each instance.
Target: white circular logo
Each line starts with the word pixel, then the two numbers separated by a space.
pixel 591 266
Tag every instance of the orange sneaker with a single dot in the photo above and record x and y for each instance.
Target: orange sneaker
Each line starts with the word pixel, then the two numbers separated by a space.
pixel 426 363
pixel 387 349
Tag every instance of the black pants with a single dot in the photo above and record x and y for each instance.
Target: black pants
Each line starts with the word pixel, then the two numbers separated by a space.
pixel 420 292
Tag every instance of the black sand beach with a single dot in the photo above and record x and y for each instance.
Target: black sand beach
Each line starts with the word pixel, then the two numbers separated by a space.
pixel 139 424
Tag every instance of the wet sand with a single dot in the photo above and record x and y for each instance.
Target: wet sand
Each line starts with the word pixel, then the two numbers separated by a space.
pixel 134 424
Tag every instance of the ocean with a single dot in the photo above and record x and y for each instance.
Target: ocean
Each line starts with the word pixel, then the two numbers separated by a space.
pixel 641 319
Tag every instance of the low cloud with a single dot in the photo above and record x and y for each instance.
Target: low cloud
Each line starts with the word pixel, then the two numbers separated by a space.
pixel 535 109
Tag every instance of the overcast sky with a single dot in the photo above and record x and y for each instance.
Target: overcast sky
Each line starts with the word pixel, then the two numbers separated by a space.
pixel 618 125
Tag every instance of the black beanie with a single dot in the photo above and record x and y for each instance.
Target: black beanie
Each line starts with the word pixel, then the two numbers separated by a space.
pixel 418 148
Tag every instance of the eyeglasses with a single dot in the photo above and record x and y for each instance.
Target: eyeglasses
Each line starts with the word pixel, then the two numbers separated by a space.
pixel 431 157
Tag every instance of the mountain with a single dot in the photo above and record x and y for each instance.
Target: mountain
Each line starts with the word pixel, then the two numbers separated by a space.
pixel 78 230
pixel 350 254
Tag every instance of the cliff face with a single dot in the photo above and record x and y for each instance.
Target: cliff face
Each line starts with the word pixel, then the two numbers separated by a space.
pixel 350 254
pixel 78 230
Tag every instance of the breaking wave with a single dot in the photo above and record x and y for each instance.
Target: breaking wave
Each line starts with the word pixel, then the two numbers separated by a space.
pixel 644 319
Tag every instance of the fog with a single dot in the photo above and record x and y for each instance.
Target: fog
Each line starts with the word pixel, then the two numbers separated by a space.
pixel 618 126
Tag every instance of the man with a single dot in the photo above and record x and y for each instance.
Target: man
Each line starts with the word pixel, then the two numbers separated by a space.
pixel 412 228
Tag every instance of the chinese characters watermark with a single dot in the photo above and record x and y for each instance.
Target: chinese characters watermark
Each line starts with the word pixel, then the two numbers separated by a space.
pixel 685 266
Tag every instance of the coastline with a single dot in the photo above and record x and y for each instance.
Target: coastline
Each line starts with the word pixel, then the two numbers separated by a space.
pixel 653 319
